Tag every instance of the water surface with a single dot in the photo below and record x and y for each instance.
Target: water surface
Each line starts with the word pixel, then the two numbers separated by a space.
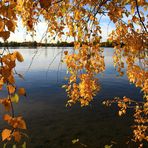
pixel 52 125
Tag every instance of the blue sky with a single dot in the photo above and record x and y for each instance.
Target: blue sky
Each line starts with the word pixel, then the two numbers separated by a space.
pixel 21 35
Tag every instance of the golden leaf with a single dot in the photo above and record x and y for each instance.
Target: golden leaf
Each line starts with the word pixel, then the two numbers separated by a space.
pixel 11 89
pixel 6 133
pixel 7 117
pixel 1 26
pixel 75 141
pixel 22 124
pixel 19 56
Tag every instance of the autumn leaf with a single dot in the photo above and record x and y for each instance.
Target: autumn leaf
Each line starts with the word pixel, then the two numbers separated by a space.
pixel 45 3
pixel 19 56
pixel 15 98
pixel 21 91
pixel 7 105
pixel 6 133
pixel 11 79
pixel 17 136
pixel 75 141
pixel 24 145
pixel 22 124
pixel 108 146
pixel 120 113
pixel 11 89
pixel 125 99
pixel 1 25
pixel 11 25
pixel 5 35
pixel 7 117
pixel 65 52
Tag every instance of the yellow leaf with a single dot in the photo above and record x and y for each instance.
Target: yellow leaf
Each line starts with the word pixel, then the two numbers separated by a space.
pixel 6 133
pixel 21 91
pixel 19 56
pixel 120 113
pixel 75 141
pixel 15 98
pixel 132 10
pixel 2 81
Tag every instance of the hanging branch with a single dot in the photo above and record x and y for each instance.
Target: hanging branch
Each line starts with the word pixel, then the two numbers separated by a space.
pixel 137 7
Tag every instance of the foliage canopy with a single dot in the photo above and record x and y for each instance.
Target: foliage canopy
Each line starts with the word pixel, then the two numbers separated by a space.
pixel 80 20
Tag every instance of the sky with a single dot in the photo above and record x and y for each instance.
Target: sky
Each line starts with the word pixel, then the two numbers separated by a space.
pixel 20 34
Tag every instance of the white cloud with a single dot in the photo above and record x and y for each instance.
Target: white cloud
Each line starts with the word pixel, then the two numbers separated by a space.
pixel 20 34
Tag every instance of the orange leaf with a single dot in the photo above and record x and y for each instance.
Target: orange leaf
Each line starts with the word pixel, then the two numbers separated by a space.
pixel 21 91
pixel 17 136
pixel 126 99
pixel 7 117
pixel 6 133
pixel 11 89
pixel 19 56
pixel 22 124
pixel 1 26
pixel 6 104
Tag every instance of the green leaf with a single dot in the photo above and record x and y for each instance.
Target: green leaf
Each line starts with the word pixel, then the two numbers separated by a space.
pixel 14 146
pixel 108 146
pixel 5 144
pixel 75 141
pixel 15 98
pixel 24 145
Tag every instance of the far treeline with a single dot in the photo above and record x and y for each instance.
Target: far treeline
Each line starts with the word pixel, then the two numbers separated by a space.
pixel 36 44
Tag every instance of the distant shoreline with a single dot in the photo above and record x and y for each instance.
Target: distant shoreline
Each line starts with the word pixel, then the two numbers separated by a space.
pixel 35 44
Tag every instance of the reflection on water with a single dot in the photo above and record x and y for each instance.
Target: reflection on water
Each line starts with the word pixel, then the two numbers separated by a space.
pixel 50 123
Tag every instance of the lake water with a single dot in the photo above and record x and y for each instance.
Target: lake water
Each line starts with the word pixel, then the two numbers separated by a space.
pixel 52 125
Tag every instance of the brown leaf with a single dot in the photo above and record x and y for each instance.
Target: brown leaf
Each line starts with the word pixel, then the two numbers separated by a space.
pixel 17 136
pixel 21 91
pixel 5 35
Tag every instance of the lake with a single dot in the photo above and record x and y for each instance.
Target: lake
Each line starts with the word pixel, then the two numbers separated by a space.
pixel 50 124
